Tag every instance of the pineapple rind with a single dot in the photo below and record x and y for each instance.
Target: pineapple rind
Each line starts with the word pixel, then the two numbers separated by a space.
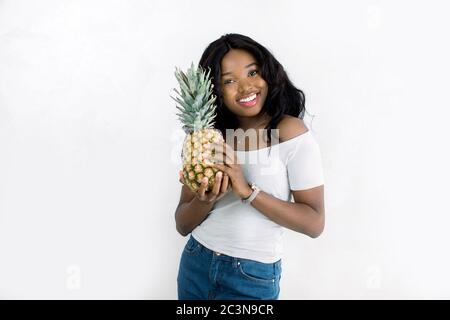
pixel 197 164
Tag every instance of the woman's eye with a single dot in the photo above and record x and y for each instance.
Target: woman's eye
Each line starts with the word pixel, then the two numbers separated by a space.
pixel 252 73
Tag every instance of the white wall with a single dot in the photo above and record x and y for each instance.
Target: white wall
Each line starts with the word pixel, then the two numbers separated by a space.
pixel 89 142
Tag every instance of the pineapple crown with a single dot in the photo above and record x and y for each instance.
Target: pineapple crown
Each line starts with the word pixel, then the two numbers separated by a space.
pixel 195 100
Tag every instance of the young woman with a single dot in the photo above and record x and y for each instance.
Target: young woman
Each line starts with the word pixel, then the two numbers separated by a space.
pixel 235 247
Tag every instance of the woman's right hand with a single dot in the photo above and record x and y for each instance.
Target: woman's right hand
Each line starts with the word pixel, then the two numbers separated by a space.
pixel 221 188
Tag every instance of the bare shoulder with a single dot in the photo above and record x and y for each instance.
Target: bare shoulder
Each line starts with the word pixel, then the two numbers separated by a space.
pixel 291 127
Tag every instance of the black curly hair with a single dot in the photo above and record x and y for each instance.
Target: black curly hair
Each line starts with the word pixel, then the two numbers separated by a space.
pixel 282 97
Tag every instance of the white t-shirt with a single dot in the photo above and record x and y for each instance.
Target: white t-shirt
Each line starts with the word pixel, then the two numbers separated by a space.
pixel 239 230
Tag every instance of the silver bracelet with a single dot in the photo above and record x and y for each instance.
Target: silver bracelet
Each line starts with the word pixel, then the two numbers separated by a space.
pixel 253 195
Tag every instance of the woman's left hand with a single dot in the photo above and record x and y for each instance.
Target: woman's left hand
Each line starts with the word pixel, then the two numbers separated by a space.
pixel 229 166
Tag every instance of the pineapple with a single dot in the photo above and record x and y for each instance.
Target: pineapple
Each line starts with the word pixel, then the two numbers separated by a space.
pixel 197 111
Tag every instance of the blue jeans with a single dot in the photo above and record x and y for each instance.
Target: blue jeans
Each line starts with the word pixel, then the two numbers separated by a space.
pixel 204 274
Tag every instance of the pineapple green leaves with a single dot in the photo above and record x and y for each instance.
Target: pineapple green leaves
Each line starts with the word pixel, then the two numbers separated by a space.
pixel 195 100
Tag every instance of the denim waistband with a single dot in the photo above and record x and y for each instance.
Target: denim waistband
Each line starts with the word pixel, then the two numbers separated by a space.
pixel 222 256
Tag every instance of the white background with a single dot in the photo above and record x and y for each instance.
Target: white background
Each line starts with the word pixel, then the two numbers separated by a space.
pixel 89 143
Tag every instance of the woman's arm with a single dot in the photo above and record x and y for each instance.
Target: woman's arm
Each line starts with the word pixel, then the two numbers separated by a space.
pixel 194 207
pixel 305 215
pixel 190 214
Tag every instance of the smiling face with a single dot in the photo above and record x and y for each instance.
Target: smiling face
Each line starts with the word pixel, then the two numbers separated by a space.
pixel 243 88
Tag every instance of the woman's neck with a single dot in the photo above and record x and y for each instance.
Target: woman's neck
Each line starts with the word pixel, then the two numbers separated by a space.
pixel 257 122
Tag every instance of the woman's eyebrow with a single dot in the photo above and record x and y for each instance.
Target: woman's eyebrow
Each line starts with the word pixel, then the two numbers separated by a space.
pixel 247 66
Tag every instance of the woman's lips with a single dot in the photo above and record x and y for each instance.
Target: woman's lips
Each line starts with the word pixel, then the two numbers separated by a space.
pixel 250 103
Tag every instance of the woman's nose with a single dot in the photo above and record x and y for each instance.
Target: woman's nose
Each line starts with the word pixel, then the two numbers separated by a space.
pixel 244 86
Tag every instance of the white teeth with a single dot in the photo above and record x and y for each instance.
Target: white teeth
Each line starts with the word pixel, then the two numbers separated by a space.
pixel 253 96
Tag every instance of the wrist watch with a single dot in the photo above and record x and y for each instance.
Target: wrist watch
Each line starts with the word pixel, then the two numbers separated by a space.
pixel 253 195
